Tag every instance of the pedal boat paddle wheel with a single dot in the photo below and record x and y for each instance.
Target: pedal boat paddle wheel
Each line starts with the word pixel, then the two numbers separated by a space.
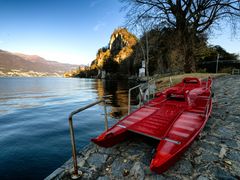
pixel 175 116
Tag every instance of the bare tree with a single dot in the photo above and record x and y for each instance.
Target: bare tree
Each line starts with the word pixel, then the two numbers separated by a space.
pixel 143 28
pixel 188 17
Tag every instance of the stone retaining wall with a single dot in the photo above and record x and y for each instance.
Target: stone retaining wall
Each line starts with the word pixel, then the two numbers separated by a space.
pixel 214 155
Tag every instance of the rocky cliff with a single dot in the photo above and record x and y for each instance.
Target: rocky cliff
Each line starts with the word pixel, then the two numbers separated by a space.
pixel 120 47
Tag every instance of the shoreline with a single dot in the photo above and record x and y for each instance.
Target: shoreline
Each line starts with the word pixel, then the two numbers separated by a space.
pixel 215 154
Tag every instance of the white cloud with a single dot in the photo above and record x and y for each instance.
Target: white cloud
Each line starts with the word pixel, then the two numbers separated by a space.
pixel 98 26
pixel 95 3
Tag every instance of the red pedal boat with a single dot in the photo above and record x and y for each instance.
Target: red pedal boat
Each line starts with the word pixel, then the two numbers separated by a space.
pixel 175 117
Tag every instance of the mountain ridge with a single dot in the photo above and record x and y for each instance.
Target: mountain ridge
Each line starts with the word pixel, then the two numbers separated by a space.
pixel 19 64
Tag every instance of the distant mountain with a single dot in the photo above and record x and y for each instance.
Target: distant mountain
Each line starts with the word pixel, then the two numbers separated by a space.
pixel 17 64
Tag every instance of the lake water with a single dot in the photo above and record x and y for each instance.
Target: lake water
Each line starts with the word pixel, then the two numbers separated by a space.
pixel 34 130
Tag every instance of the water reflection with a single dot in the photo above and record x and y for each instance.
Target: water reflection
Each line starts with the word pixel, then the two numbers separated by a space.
pixel 34 126
pixel 119 92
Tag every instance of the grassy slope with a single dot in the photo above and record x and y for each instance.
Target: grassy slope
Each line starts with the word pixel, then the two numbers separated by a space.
pixel 163 82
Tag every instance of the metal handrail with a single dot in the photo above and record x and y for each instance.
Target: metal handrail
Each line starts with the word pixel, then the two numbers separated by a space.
pixel 235 71
pixel 208 104
pixel 140 100
pixel 129 97
pixel 70 120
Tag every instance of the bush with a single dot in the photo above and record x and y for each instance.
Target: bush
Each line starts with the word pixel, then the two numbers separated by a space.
pixel 226 70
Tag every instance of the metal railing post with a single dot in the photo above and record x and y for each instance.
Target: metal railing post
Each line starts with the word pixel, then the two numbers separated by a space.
pixel 170 81
pixel 129 97
pixel 129 101
pixel 217 63
pixel 148 92
pixel 141 95
pixel 105 115
pixel 74 153
pixel 70 119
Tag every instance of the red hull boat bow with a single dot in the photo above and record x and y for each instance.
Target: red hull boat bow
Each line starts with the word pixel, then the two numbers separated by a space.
pixel 175 117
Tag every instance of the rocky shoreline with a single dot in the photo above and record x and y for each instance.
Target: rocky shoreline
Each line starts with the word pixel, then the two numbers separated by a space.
pixel 18 73
pixel 214 155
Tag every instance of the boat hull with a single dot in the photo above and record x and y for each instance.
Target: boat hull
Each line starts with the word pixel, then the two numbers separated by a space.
pixel 175 116
pixel 162 161
pixel 109 140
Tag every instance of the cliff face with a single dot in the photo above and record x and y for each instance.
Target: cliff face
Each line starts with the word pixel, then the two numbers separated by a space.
pixel 120 47
pixel 102 55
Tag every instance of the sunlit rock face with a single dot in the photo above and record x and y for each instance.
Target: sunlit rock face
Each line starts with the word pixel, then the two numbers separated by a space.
pixel 121 44
pixel 102 55
pixel 117 43
pixel 120 47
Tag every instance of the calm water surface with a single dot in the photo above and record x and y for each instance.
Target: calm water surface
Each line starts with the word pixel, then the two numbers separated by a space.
pixel 34 132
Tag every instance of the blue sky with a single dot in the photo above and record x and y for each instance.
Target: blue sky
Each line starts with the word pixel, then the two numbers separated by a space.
pixel 69 31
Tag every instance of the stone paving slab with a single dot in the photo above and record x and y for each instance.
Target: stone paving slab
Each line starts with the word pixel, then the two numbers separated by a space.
pixel 214 155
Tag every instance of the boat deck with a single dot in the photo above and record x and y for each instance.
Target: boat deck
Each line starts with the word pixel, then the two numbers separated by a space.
pixel 153 120
pixel 175 117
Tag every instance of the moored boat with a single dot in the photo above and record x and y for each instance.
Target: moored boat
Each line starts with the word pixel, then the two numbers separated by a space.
pixel 175 117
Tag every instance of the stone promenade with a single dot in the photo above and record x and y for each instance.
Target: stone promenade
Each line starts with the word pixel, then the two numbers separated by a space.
pixel 214 155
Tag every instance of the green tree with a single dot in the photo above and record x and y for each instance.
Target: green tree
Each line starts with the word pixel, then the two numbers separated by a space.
pixel 110 66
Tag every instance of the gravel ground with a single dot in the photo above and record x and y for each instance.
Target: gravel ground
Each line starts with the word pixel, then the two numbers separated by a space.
pixel 214 155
